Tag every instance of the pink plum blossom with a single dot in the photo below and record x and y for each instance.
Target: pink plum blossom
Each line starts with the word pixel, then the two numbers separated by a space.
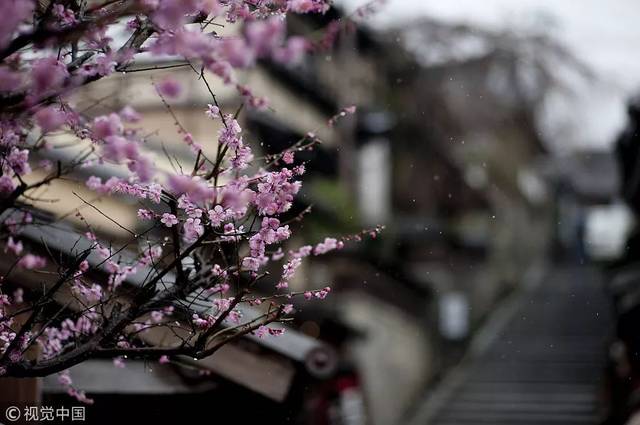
pixel 264 36
pixel 169 219
pixel 217 215
pixel 47 74
pixel 14 246
pixel 329 244
pixel 169 87
pixel 12 14
pixel 6 185
pixel 192 229
pixel 145 214
pixel 50 118
pixel 308 6
pixel 130 115
pixel 212 111
pixel 106 125
pixel 288 157
pixel 31 261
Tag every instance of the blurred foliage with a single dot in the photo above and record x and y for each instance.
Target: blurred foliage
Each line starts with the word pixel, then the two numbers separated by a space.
pixel 335 212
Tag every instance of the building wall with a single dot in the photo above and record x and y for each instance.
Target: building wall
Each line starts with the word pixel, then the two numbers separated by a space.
pixel 395 358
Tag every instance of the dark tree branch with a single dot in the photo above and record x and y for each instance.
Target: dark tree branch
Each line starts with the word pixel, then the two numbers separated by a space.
pixel 28 325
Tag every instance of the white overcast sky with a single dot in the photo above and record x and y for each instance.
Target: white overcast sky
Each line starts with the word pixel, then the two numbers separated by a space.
pixel 604 34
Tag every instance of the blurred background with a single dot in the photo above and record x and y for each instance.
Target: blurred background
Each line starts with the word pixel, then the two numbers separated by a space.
pixel 497 141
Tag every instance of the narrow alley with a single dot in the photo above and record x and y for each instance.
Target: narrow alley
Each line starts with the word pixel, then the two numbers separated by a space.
pixel 545 366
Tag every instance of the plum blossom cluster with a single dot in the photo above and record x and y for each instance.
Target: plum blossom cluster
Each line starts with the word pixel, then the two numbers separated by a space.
pixel 214 233
pixel 64 379
pixel 263 37
pixel 119 146
pixel 14 224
